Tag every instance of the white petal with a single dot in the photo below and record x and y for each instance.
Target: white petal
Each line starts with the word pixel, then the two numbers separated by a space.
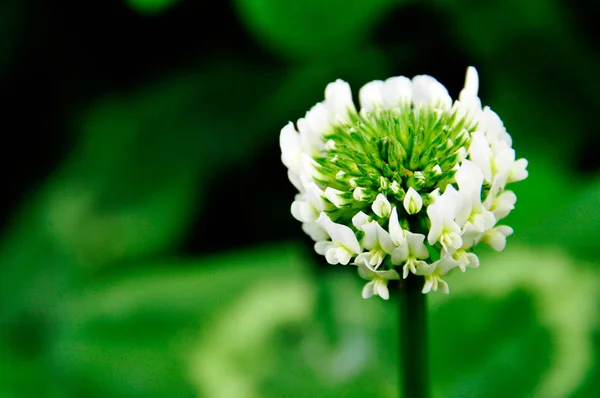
pixel 389 274
pixel 471 84
pixel 396 232
pixel 314 194
pixel 473 260
pixel 464 259
pixel 411 266
pixel 454 241
pixel 494 127
pixel 407 269
pixel 363 258
pixel 519 171
pixel 370 96
pixel 428 91
pixel 315 231
pixel 344 255
pixel 312 129
pixel 479 151
pixel 382 289
pixel 441 214
pixel 366 272
pixel 470 236
pixel 291 151
pixel 382 206
pixel 340 234
pixel 397 91
pixel 331 255
pixel 334 196
pixel 359 194
pixel 468 98
pixel 338 101
pixel 368 290
pixel 400 255
pixel 346 237
pixel 416 245
pixel 469 179
pixel 321 247
pixel 428 269
pixel 308 169
pixel 498 184
pixel 437 223
pixel 481 218
pixel 385 240
pixel 296 181
pixel 503 204
pixel 412 201
pixel 443 286
pixel 496 237
pixel 360 219
pixel 304 211
pixel 428 285
pixel 370 240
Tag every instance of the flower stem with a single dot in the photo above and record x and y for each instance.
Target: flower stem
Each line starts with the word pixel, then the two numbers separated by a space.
pixel 414 337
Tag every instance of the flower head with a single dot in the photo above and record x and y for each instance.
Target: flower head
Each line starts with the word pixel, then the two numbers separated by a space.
pixel 412 180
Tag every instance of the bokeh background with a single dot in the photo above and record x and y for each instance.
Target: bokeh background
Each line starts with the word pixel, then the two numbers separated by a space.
pixel 147 249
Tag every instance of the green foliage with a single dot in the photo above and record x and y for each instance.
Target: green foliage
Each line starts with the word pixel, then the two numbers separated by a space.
pixel 151 7
pixel 173 328
pixel 311 29
pixel 139 329
pixel 578 223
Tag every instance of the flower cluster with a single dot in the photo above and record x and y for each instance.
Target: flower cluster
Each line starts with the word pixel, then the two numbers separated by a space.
pixel 411 183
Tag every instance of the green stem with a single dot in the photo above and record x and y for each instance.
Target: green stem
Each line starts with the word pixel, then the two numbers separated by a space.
pixel 413 334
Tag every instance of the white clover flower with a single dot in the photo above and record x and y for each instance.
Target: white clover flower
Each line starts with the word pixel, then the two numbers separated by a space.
pixel 343 245
pixel 378 281
pixel 410 247
pixel 378 242
pixel 412 180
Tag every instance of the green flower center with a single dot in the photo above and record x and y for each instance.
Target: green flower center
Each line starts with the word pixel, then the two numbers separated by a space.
pixel 389 151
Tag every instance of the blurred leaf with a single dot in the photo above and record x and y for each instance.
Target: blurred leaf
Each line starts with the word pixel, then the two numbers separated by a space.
pixel 496 316
pixel 541 196
pixel 577 225
pixel 480 338
pixel 135 177
pixel 485 33
pixel 131 335
pixel 225 326
pixel 523 316
pixel 240 353
pixel 312 28
pixel 130 186
pixel 25 376
pixel 538 119
pixel 150 7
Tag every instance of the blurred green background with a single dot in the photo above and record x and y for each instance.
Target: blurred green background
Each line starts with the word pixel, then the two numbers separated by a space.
pixel 147 248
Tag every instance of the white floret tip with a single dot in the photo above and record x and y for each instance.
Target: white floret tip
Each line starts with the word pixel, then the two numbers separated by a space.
pixel 412 201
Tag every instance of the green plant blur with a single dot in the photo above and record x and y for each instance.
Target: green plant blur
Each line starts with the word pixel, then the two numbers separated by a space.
pixel 159 257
